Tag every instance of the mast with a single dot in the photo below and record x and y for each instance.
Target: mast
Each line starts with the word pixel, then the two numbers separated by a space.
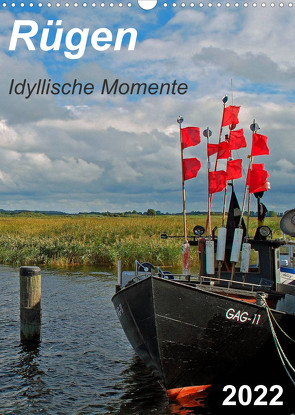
pixel 180 121
pixel 224 101
pixel 185 245
pixel 254 128
pixel 222 231
pixel 210 267
pixel 207 133
pixel 225 194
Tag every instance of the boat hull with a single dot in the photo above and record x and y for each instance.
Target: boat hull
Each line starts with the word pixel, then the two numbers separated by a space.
pixel 189 336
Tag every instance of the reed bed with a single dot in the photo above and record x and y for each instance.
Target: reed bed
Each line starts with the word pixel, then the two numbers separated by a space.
pixel 75 240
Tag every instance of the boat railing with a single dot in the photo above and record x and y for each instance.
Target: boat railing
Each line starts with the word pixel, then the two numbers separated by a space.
pixel 144 270
pixel 212 280
pixel 229 282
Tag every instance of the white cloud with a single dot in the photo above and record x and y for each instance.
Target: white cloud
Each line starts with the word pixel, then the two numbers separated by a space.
pixel 102 152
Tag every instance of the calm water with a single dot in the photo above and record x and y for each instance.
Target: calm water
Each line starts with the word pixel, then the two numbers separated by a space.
pixel 84 364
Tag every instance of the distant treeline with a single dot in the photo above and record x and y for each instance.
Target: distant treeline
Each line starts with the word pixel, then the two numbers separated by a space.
pixel 149 212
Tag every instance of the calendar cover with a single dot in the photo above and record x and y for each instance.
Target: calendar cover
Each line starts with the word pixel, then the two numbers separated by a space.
pixel 143 109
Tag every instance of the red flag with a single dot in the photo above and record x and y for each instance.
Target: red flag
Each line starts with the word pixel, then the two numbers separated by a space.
pixel 237 139
pixel 230 115
pixel 190 136
pixel 222 150
pixel 234 169
pixel 257 166
pixel 259 145
pixel 212 149
pixel 191 168
pixel 257 178
pixel 217 181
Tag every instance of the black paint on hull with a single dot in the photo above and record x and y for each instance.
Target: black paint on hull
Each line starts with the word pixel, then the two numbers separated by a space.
pixel 187 336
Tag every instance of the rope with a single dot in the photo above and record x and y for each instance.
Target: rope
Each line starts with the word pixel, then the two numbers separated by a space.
pixel 280 351
pixel 273 317
pixel 279 346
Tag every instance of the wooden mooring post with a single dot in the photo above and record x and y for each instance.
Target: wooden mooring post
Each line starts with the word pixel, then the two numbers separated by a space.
pixel 30 304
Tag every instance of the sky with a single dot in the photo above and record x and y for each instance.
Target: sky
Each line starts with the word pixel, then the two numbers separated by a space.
pixel 100 152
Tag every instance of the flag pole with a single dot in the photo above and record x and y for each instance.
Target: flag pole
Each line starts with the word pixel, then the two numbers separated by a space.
pixel 254 128
pixel 207 133
pixel 185 245
pixel 249 205
pixel 224 101
pixel 221 242
pixel 180 121
pixel 245 194
pixel 225 193
pixel 210 266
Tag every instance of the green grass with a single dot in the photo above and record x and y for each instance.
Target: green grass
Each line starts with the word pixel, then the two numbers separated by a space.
pixel 63 240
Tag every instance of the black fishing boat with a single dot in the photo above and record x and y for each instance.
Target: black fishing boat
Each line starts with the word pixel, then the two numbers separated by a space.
pixel 232 324
pixel 199 332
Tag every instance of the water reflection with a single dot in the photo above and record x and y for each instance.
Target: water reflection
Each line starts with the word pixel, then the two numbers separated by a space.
pixel 83 366
pixel 180 410
pixel 142 394
pixel 28 368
